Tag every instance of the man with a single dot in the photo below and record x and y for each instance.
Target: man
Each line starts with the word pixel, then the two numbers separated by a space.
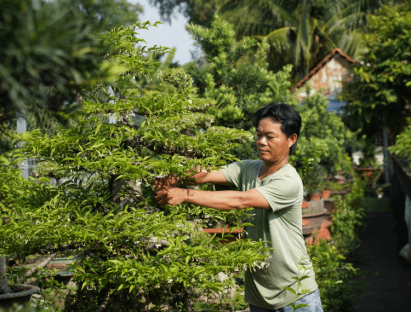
pixel 274 188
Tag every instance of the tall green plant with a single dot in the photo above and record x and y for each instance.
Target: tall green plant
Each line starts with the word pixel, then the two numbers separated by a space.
pixel 240 84
pixel 50 52
pixel 137 254
pixel 378 94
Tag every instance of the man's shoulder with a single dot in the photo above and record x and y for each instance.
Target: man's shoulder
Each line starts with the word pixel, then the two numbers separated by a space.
pixel 287 173
pixel 249 163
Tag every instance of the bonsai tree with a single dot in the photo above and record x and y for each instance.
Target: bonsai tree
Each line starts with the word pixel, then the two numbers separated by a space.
pixel 136 253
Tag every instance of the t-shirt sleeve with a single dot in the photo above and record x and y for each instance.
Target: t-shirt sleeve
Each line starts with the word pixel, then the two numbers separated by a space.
pixel 233 172
pixel 280 193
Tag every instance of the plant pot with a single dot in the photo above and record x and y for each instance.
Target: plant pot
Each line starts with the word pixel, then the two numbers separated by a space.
pixel 305 222
pixel 314 196
pixel 315 221
pixel 367 171
pixel 22 297
pixel 305 205
pixel 325 194
pixel 219 233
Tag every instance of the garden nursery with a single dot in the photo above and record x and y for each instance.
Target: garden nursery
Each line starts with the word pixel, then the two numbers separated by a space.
pixel 93 120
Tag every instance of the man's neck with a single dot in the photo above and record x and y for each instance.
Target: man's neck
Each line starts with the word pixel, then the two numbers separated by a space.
pixel 270 168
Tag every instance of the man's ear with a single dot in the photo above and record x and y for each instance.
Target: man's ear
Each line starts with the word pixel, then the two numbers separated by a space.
pixel 292 139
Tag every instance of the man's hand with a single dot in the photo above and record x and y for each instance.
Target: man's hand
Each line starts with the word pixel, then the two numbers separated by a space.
pixel 171 195
pixel 166 181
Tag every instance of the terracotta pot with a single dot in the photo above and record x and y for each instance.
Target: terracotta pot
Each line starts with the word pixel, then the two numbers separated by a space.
pixel 218 233
pixel 22 297
pixel 367 171
pixel 306 222
pixel 314 196
pixel 325 194
pixel 305 205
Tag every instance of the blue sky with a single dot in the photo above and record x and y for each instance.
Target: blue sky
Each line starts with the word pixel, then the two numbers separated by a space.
pixel 174 35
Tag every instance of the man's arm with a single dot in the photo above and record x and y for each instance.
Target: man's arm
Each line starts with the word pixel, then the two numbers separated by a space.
pixel 201 177
pixel 223 200
pixel 214 176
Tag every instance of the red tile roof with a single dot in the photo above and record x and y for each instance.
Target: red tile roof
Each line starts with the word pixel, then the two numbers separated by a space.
pixel 320 65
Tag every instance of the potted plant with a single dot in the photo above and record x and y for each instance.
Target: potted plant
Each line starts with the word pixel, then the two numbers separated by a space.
pixel 325 190
pixel 367 162
pixel 312 181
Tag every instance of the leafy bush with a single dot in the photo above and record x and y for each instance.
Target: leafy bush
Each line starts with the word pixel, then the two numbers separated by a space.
pixel 402 145
pixel 334 274
pixel 376 96
pixel 137 255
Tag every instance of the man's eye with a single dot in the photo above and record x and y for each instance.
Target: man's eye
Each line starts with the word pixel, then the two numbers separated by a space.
pixel 271 137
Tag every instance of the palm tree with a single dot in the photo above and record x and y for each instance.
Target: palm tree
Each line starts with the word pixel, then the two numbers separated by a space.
pixel 302 32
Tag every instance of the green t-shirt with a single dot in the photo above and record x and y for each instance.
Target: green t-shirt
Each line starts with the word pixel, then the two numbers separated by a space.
pixel 281 226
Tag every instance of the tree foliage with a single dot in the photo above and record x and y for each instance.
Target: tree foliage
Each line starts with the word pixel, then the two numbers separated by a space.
pixel 402 145
pixel 241 83
pixel 379 93
pixel 137 254
pixel 300 33
pixel 50 52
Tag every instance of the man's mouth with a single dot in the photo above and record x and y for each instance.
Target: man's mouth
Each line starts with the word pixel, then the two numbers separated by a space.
pixel 263 151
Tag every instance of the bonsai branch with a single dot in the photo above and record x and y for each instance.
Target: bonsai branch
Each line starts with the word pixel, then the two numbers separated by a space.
pixel 35 268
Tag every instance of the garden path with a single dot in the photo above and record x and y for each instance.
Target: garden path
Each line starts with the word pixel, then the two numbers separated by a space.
pixel 390 288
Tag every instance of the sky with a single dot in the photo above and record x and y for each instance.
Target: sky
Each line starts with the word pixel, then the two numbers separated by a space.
pixel 174 35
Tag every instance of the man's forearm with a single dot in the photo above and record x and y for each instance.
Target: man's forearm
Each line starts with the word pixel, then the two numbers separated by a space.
pixel 223 200
pixel 203 176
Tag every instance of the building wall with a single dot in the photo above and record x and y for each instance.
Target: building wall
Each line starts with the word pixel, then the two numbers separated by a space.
pixel 330 77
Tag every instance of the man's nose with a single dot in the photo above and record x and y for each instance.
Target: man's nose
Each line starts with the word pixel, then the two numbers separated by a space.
pixel 262 141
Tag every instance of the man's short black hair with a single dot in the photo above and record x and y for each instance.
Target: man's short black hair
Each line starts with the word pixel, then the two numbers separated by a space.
pixel 284 114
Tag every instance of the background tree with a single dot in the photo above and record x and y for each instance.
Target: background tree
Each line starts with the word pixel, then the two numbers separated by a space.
pixel 50 52
pixel 241 84
pixel 112 13
pixel 300 32
pixel 238 83
pixel 379 93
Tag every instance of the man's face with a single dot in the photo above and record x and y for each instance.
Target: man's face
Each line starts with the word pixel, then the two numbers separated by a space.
pixel 272 144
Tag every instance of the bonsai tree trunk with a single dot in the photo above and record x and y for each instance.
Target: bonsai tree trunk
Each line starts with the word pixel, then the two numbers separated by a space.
pixel 4 287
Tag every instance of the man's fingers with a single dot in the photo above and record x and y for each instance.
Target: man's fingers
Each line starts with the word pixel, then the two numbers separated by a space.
pixel 161 189
pixel 160 196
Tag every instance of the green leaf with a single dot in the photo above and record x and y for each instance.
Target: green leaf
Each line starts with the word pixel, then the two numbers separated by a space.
pixel 291 290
